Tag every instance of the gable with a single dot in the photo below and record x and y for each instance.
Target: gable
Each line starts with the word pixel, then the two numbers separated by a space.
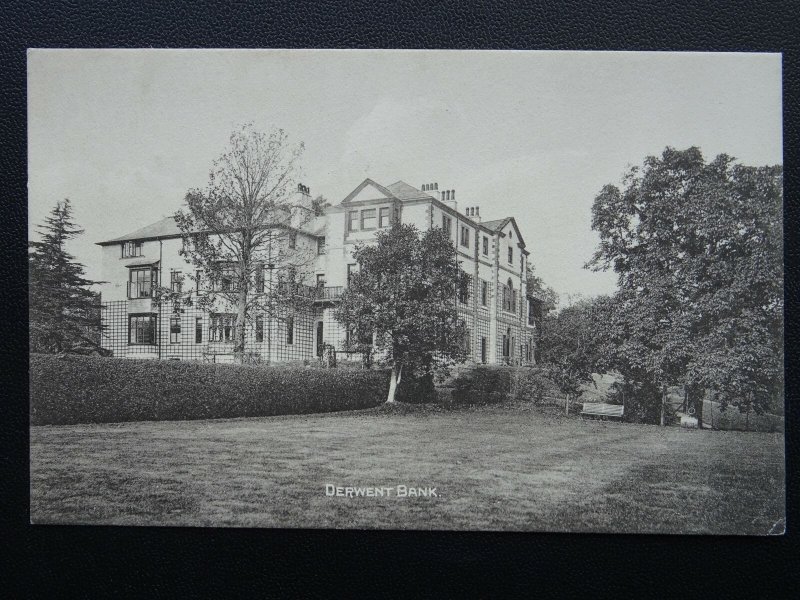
pixel 510 227
pixel 368 190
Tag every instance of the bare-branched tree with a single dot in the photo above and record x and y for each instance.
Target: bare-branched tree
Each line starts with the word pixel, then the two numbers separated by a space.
pixel 243 234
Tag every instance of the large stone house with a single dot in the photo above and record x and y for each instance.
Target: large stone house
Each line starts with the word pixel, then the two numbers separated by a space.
pixel 502 319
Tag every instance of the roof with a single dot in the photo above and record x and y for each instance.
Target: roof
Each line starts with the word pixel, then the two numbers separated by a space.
pixel 402 191
pixel 166 227
pixel 497 224
pixel 141 262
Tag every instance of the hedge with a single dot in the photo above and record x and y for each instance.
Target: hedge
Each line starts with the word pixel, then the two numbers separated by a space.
pixel 75 389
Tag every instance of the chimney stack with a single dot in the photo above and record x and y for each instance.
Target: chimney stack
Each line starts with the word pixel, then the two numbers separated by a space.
pixel 303 189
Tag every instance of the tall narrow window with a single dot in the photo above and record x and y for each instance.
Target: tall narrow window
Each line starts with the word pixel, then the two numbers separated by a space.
pixel 260 279
pixel 510 256
pixel 483 350
pixel 259 329
pixel 383 217
pixel 198 330
pixel 447 224
pixel 174 329
pixel 463 291
pixel 292 240
pixel 352 220
pixel 485 246
pixel 465 236
pixel 176 281
pixel 368 218
pixel 290 331
pixel 198 277
pixel 321 245
pixel 351 270
pixel 320 280
pixel 484 293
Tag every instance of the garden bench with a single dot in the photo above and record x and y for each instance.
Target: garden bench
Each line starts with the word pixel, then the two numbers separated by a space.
pixel 600 409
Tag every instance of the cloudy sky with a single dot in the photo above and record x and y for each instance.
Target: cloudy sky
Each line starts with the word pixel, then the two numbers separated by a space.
pixel 535 135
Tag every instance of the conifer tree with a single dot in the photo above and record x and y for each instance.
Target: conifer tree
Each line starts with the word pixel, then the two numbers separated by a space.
pixel 64 311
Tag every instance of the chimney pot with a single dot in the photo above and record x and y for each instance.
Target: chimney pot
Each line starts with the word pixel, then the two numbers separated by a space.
pixel 436 186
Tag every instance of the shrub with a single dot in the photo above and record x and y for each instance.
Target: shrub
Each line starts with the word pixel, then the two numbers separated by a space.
pixel 531 384
pixel 416 390
pixel 483 385
pixel 78 389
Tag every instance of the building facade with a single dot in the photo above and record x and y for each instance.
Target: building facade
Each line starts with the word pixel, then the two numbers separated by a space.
pixel 502 318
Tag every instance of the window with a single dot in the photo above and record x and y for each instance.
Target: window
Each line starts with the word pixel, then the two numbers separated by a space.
pixel 320 280
pixel 292 240
pixel 259 329
pixel 351 270
pixel 484 293
pixel 289 331
pixel 447 224
pixel 368 218
pixel 510 255
pixel 463 290
pixel 509 297
pixel 352 219
pixel 142 329
pixel 223 327
pixel 198 276
pixel 141 282
pixel 321 245
pixel 198 330
pixel 465 236
pixel 174 329
pixel 130 249
pixel 229 281
pixel 176 281
pixel 485 246
pixel 383 217
pixel 260 279
pixel 483 350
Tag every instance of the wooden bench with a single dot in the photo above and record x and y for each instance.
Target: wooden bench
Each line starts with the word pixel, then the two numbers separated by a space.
pixel 600 409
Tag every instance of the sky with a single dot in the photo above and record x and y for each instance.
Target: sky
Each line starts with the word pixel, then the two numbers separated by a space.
pixel 535 135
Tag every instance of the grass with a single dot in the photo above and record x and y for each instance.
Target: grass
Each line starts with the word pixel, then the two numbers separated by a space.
pixel 508 467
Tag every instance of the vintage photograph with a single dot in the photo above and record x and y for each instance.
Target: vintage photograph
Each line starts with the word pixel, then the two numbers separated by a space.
pixel 407 290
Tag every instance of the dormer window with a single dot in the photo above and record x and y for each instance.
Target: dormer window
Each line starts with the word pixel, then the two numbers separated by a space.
pixel 131 249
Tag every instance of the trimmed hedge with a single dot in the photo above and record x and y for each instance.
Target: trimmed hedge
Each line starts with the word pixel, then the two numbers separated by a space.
pixel 76 389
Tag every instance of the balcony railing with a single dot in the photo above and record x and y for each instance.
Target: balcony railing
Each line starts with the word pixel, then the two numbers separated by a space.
pixel 140 289
pixel 315 293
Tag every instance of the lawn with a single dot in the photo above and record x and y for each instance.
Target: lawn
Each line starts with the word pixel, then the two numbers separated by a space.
pixel 509 467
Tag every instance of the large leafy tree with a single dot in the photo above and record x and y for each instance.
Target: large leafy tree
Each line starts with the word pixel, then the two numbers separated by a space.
pixel 405 293
pixel 697 247
pixel 572 345
pixel 64 311
pixel 241 230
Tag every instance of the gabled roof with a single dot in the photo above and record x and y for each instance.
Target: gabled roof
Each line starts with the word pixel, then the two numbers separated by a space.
pixel 499 224
pixel 496 225
pixel 365 183
pixel 166 227
pixel 402 191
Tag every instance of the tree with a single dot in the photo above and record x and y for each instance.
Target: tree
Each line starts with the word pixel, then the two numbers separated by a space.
pixel 64 311
pixel 698 251
pixel 405 293
pixel 571 346
pixel 319 205
pixel 540 290
pixel 241 230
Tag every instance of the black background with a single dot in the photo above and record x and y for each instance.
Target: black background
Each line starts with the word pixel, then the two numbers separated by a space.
pixel 164 562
